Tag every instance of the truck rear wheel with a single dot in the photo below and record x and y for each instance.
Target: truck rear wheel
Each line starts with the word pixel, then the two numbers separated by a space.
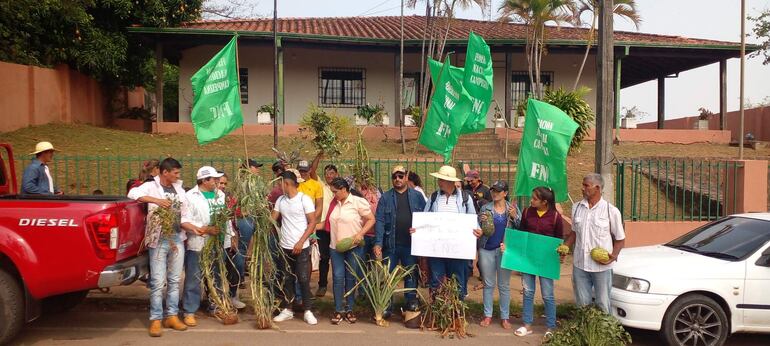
pixel 11 307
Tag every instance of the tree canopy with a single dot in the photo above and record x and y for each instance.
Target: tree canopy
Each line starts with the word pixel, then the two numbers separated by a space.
pixel 88 35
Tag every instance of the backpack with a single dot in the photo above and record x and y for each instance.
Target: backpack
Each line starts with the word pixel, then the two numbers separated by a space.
pixel 465 193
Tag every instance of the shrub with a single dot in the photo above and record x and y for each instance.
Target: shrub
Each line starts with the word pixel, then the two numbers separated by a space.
pixel 574 104
pixel 371 113
pixel 590 327
pixel 328 132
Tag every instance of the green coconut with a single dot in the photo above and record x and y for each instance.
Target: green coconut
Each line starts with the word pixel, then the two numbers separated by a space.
pixel 563 249
pixel 488 227
pixel 344 245
pixel 600 255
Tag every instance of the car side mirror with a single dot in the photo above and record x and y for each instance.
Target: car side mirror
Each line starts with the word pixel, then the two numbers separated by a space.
pixel 764 260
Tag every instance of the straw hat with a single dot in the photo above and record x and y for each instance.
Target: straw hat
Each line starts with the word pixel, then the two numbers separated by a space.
pixel 448 173
pixel 41 147
pixel 296 172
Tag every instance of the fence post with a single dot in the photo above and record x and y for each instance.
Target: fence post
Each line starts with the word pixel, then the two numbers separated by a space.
pixel 747 187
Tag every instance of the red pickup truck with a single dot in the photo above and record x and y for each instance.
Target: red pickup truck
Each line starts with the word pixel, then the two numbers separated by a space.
pixel 54 249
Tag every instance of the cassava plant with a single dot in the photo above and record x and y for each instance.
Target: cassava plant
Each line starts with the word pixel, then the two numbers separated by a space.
pixel 379 284
pixel 446 312
pixel 250 191
pixel 574 104
pixel 328 132
pixel 165 219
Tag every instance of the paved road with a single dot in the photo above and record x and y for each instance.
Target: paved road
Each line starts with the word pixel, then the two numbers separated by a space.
pixel 99 324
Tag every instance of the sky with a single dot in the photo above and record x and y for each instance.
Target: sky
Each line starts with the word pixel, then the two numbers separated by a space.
pixel 693 89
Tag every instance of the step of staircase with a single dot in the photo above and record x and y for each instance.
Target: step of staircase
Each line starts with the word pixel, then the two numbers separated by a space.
pixel 479 146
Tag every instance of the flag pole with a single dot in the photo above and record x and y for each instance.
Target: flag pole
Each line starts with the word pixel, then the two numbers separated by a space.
pixel 238 73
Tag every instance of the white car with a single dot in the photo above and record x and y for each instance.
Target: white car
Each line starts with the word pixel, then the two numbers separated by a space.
pixel 701 287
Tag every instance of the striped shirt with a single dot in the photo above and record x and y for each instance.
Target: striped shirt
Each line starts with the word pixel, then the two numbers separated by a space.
pixel 592 227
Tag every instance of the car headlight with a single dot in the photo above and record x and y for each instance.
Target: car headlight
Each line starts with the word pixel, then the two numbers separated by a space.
pixel 630 284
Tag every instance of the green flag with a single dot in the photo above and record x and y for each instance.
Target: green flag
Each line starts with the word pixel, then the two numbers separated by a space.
pixel 216 96
pixel 548 133
pixel 447 112
pixel 531 253
pixel 477 80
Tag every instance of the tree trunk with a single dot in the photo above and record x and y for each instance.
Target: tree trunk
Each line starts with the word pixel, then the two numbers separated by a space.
pixel 588 49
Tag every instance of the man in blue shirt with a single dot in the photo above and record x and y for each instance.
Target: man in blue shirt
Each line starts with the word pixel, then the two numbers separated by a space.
pixel 37 179
pixel 394 219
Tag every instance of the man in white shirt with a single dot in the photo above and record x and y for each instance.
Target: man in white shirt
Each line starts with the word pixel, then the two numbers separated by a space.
pixel 595 223
pixel 297 214
pixel 166 252
pixel 196 220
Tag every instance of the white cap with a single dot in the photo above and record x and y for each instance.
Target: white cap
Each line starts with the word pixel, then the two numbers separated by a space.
pixel 208 172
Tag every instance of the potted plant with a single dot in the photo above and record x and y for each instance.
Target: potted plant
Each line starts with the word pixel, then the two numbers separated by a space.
pixel 142 114
pixel 265 114
pixel 631 117
pixel 703 118
pixel 369 114
pixel 412 116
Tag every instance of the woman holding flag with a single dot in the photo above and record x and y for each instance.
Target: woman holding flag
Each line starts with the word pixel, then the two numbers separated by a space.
pixel 541 218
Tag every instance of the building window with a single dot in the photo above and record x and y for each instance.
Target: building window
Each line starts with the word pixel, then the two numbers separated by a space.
pixel 411 90
pixel 243 77
pixel 341 87
pixel 521 89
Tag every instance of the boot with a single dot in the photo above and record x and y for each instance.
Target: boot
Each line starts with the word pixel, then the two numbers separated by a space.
pixel 155 328
pixel 174 323
pixel 190 320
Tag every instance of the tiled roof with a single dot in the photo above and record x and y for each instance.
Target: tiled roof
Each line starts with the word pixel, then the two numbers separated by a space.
pixel 388 28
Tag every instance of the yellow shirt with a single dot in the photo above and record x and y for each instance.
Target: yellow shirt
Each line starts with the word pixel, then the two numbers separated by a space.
pixel 346 220
pixel 312 188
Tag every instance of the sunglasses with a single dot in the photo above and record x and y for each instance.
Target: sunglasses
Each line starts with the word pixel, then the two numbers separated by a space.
pixel 397 176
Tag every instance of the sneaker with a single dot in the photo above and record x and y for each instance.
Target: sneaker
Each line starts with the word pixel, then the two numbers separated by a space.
pixel 285 315
pixel 310 318
pixel 237 303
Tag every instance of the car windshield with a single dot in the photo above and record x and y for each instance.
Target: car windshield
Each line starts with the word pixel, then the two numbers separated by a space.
pixel 732 238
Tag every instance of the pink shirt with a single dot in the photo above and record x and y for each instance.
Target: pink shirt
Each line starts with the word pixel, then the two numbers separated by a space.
pixel 346 219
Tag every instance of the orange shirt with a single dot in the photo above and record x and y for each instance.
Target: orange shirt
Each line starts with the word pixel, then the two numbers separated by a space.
pixel 346 219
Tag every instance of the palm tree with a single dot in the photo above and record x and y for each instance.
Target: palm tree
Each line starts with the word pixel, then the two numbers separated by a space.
pixel 535 14
pixel 622 8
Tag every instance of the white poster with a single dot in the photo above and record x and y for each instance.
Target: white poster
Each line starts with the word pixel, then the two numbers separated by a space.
pixel 444 235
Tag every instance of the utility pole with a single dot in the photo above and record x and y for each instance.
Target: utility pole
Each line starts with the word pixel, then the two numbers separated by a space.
pixel 743 67
pixel 275 74
pixel 400 95
pixel 605 98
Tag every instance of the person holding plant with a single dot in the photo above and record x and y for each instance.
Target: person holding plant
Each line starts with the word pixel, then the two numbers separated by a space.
pixel 166 252
pixel 297 213
pixel 196 221
pixel 541 218
pixel 597 237
pixel 394 218
pixel 322 228
pixel 350 218
pixel 449 198
pixel 496 216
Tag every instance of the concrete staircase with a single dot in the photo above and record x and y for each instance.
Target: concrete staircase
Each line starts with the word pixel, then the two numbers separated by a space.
pixel 480 146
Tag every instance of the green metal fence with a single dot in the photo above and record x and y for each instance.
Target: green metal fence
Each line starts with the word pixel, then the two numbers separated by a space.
pixel 675 189
pixel 81 175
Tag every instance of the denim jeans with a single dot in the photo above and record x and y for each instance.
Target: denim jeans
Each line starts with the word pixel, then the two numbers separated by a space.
pixel 166 262
pixel 402 255
pixel 343 279
pixel 546 290
pixel 324 241
pixel 596 285
pixel 494 275
pixel 299 273
pixel 246 231
pixel 191 299
pixel 441 268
